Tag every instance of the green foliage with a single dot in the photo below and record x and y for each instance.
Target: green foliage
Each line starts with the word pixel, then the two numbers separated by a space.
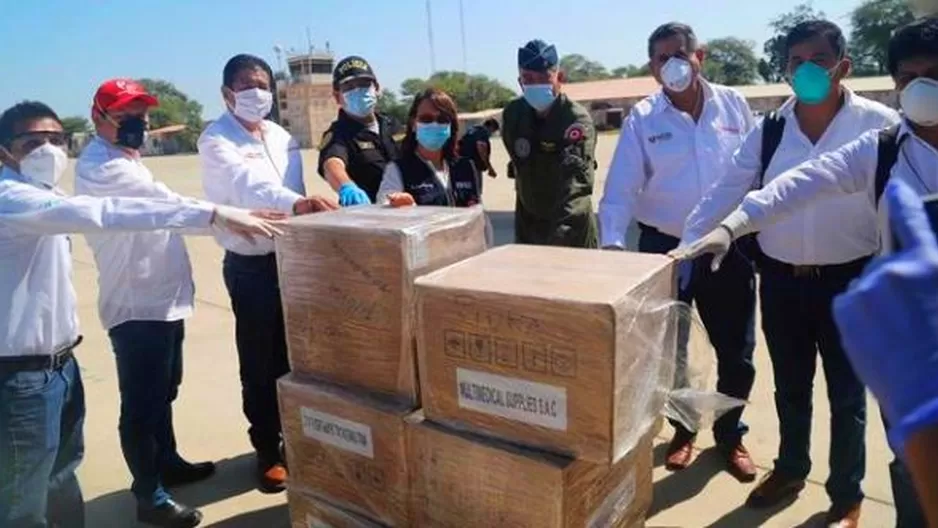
pixel 731 61
pixel 176 108
pixel 873 23
pixel 773 67
pixel 632 71
pixel 579 69
pixel 471 92
pixel 389 105
pixel 76 125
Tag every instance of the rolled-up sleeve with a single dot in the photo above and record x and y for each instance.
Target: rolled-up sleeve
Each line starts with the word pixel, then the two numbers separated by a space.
pixel 391 183
pixel 623 183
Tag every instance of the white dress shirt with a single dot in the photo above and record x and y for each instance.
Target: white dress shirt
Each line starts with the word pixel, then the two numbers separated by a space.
pixel 392 182
pixel 665 161
pixel 849 169
pixel 37 301
pixel 243 171
pixel 836 230
pixel 142 276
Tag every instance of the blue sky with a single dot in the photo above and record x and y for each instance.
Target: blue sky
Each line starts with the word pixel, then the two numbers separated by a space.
pixel 58 51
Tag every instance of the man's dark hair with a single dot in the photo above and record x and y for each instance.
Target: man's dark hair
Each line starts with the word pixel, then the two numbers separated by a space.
pixel 242 62
pixel 491 124
pixel 817 28
pixel 20 112
pixel 917 39
pixel 666 31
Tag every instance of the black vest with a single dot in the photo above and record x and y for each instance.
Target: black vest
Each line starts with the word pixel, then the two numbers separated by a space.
pixel 420 182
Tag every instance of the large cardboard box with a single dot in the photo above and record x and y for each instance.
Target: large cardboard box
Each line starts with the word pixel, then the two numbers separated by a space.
pixel 346 447
pixel 308 511
pixel 553 347
pixel 346 279
pixel 463 479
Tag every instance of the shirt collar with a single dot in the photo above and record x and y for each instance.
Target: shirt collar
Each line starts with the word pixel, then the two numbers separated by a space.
pixel 233 121
pixel 663 102
pixel 905 129
pixel 6 173
pixel 113 149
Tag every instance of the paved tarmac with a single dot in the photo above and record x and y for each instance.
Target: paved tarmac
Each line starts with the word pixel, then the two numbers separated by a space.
pixel 210 426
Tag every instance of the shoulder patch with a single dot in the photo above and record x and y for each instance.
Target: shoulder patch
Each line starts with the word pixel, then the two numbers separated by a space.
pixel 575 133
pixel 326 139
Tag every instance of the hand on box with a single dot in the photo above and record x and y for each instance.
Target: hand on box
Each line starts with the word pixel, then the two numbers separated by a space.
pixel 314 204
pixel 401 199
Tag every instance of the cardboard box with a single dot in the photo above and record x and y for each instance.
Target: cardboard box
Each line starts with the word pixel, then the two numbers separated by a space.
pixel 346 447
pixel 308 511
pixel 463 479
pixel 346 279
pixel 557 348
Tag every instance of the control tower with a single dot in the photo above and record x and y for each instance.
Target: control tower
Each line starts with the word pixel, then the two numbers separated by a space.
pixel 306 103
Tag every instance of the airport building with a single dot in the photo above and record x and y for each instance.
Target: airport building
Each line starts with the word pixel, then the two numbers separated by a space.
pixel 307 107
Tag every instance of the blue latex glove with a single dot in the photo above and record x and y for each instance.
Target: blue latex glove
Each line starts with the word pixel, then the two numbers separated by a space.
pixel 351 194
pixel 888 321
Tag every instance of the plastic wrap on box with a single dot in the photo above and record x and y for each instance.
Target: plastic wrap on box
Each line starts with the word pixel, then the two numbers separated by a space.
pixel 346 447
pixel 346 280
pixel 307 511
pixel 464 479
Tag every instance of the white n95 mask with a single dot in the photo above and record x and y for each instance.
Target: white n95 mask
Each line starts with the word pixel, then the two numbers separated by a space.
pixel 919 101
pixel 677 74
pixel 45 165
pixel 253 105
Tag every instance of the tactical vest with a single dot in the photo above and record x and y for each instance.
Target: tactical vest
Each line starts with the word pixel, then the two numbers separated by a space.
pixel 420 181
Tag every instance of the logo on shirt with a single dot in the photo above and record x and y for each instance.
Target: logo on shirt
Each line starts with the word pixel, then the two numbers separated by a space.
pixel 664 136
pixel 464 185
pixel 365 145
pixel 423 187
pixel 522 148
pixel 728 129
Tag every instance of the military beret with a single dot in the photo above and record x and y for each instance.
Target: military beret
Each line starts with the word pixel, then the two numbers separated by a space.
pixel 537 55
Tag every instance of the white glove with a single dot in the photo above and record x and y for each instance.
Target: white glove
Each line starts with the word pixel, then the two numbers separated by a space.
pixel 716 242
pixel 245 224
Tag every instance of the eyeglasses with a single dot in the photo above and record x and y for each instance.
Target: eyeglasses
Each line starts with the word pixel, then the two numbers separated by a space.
pixel 439 119
pixel 33 140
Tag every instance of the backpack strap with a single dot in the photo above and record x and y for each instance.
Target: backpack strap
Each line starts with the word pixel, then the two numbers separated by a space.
pixel 773 126
pixel 887 152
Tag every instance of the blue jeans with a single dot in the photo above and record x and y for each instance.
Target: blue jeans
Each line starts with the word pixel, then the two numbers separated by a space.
pixel 149 371
pixel 798 325
pixel 42 413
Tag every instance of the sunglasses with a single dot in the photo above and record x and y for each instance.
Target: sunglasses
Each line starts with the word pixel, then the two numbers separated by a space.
pixel 34 140
pixel 438 119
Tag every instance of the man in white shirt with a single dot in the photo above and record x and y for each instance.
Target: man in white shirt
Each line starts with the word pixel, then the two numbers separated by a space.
pixel 145 295
pixel 908 152
pixel 805 261
pixel 248 161
pixel 42 405
pixel 673 146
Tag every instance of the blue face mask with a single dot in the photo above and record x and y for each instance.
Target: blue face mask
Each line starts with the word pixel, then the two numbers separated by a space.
pixel 360 102
pixel 432 136
pixel 539 96
pixel 811 83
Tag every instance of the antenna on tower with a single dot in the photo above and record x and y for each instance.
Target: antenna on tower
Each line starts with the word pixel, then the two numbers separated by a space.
pixel 462 32
pixel 430 36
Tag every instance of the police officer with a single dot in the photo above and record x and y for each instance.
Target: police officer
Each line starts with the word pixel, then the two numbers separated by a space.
pixel 476 145
pixel 358 145
pixel 551 141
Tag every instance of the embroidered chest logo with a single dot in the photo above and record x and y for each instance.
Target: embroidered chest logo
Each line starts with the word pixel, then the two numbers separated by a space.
pixel 664 136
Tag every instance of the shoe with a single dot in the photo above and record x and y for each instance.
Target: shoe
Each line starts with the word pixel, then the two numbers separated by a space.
pixel 846 516
pixel 271 478
pixel 739 463
pixel 680 451
pixel 773 489
pixel 187 474
pixel 170 514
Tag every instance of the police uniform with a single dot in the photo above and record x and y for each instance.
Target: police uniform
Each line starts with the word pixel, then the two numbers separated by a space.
pixel 553 163
pixel 365 149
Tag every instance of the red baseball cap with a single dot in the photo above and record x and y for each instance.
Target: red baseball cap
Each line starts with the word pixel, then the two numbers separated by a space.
pixel 117 93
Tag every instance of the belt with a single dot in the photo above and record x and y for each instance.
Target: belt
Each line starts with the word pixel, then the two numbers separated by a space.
pixel 54 361
pixel 847 269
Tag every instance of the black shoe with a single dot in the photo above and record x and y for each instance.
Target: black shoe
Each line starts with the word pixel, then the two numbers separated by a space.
pixel 170 514
pixel 187 474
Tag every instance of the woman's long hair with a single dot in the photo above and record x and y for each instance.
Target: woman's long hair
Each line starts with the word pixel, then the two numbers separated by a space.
pixel 447 107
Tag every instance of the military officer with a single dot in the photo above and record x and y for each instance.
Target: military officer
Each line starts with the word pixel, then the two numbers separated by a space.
pixel 551 141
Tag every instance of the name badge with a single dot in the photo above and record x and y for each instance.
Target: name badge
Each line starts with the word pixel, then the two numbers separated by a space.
pixel 365 145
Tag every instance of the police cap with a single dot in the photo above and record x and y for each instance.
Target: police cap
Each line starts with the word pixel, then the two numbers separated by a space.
pixel 537 55
pixel 353 67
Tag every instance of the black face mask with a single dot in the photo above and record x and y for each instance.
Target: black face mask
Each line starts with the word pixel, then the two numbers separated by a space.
pixel 132 132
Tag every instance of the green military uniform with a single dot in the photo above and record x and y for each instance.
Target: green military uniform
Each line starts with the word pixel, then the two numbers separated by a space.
pixel 553 163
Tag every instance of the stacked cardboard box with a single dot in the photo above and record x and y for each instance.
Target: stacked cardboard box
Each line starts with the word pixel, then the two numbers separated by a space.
pixel 347 286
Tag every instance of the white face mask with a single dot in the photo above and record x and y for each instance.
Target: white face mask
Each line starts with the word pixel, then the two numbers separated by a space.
pixel 253 105
pixel 45 165
pixel 919 101
pixel 677 74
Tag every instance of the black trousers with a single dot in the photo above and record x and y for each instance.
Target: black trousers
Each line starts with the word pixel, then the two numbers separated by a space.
pixel 726 301
pixel 262 349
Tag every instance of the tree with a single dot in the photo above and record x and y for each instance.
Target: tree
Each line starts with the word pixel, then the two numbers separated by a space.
pixel 731 61
pixel 580 69
pixel 773 67
pixel 389 105
pixel 471 92
pixel 176 108
pixel 632 71
pixel 873 23
pixel 76 125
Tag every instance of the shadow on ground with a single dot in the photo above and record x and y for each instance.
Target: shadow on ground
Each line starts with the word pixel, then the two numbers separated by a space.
pixel 272 517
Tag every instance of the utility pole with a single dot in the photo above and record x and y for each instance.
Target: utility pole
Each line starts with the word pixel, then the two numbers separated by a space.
pixel 462 32
pixel 430 36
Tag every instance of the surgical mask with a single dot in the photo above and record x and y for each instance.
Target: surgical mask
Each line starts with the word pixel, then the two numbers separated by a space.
pixel 360 102
pixel 253 104
pixel 677 74
pixel 812 83
pixel 132 132
pixel 539 96
pixel 432 136
pixel 919 101
pixel 44 165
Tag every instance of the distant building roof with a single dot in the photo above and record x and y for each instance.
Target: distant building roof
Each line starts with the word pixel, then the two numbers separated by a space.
pixel 167 130
pixel 481 114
